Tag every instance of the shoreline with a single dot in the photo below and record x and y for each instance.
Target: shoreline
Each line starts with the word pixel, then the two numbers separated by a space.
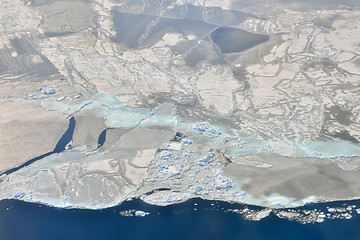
pixel 308 213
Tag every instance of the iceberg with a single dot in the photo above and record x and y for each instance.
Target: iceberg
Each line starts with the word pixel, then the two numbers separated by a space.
pixel 140 213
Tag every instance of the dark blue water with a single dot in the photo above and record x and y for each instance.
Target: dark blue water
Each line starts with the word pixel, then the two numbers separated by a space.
pixel 102 138
pixel 27 221
pixel 66 137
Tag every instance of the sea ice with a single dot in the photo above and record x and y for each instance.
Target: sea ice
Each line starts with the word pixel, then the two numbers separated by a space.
pixel 139 213
pixel 184 110
pixel 48 90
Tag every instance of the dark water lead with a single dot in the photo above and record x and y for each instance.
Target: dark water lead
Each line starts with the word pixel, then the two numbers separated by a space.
pixel 233 40
pixel 102 137
pixel 60 146
pixel 193 219
pixel 66 137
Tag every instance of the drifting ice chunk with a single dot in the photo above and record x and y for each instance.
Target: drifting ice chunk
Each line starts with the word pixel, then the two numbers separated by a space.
pixel 141 213
pixel 205 127
pixel 259 215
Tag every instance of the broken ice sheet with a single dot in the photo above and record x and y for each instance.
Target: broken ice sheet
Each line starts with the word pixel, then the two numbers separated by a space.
pixel 160 151
pixel 95 179
pixel 183 113
pixel 156 149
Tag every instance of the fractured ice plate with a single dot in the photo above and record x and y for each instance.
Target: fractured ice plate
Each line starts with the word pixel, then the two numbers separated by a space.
pixel 250 102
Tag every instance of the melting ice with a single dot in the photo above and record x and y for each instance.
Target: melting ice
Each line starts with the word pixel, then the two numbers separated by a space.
pixel 157 156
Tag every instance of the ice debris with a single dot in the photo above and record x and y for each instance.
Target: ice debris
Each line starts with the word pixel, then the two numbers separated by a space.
pixel 206 128
pixel 60 98
pixel 48 90
pixel 141 213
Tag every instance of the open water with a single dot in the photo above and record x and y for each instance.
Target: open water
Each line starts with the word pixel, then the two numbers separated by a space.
pixel 194 219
